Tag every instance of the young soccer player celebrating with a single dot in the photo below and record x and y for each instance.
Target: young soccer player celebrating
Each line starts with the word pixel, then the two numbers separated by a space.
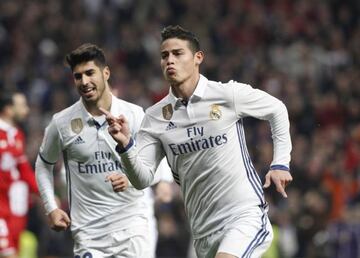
pixel 198 126
pixel 108 218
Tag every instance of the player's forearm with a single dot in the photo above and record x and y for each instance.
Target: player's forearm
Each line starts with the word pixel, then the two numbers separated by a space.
pixel 280 125
pixel 45 181
pixel 140 175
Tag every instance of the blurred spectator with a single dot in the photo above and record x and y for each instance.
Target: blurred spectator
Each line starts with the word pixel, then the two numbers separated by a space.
pixel 304 52
pixel 17 175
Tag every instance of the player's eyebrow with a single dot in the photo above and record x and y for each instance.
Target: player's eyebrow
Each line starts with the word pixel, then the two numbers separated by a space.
pixel 78 74
pixel 164 53
pixel 173 50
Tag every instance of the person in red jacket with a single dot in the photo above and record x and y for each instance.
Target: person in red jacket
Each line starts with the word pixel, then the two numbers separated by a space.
pixel 17 178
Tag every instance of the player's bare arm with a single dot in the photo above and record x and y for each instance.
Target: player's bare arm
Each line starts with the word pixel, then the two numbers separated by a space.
pixel 280 178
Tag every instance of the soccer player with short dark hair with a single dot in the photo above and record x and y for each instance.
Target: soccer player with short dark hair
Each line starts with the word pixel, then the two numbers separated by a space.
pixel 198 126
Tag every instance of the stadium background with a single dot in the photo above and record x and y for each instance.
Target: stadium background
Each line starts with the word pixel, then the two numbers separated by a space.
pixel 306 53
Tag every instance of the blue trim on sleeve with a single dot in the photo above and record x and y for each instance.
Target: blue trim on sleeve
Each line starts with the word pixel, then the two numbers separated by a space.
pixel 47 162
pixel 125 149
pixel 279 167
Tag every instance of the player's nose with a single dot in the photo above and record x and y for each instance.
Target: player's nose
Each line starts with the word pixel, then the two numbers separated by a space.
pixel 85 80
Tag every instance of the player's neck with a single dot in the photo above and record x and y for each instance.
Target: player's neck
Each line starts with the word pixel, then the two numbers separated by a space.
pixel 104 102
pixel 185 89
pixel 7 119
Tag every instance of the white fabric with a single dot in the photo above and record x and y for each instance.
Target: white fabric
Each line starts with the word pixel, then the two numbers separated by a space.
pixel 249 236
pixel 45 182
pixel 127 243
pixel 163 173
pixel 205 145
pixel 89 156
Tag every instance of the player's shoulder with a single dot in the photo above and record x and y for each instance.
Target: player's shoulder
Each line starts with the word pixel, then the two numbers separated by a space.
pixel 155 109
pixel 228 84
pixel 5 126
pixel 67 113
pixel 3 134
pixel 232 87
pixel 126 106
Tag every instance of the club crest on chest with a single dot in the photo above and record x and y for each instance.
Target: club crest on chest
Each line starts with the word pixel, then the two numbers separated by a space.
pixel 76 125
pixel 215 112
pixel 167 111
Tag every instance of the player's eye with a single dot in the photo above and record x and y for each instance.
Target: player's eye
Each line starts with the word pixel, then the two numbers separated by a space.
pixel 77 76
pixel 89 72
pixel 178 52
pixel 164 55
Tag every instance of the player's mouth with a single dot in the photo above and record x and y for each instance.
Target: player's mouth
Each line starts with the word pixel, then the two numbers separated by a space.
pixel 88 91
pixel 170 70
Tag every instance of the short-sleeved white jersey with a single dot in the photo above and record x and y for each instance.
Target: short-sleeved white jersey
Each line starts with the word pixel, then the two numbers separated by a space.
pixel 204 143
pixel 89 156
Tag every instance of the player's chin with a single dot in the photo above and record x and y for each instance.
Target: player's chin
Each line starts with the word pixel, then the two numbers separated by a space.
pixel 172 79
pixel 91 98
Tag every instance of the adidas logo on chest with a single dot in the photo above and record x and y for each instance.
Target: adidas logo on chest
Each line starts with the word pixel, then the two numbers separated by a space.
pixel 170 126
pixel 79 140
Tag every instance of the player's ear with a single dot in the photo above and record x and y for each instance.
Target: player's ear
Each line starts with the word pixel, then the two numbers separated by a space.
pixel 106 73
pixel 199 57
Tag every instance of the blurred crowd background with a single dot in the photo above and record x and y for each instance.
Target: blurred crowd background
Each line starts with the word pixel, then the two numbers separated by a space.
pixel 305 52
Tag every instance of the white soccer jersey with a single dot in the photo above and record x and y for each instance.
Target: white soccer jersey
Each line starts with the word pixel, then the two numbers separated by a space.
pixel 89 156
pixel 205 146
pixel 163 173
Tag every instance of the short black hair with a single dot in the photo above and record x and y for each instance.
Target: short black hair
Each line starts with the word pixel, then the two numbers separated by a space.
pixel 176 31
pixel 85 53
pixel 6 99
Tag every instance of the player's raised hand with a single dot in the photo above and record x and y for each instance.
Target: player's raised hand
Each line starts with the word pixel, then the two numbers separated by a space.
pixel 119 182
pixel 59 220
pixel 280 178
pixel 118 128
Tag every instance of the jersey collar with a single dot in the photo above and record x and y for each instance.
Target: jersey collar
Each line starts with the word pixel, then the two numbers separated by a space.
pixel 196 96
pixel 200 88
pixel 84 113
pixel 6 126
pixel 90 118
